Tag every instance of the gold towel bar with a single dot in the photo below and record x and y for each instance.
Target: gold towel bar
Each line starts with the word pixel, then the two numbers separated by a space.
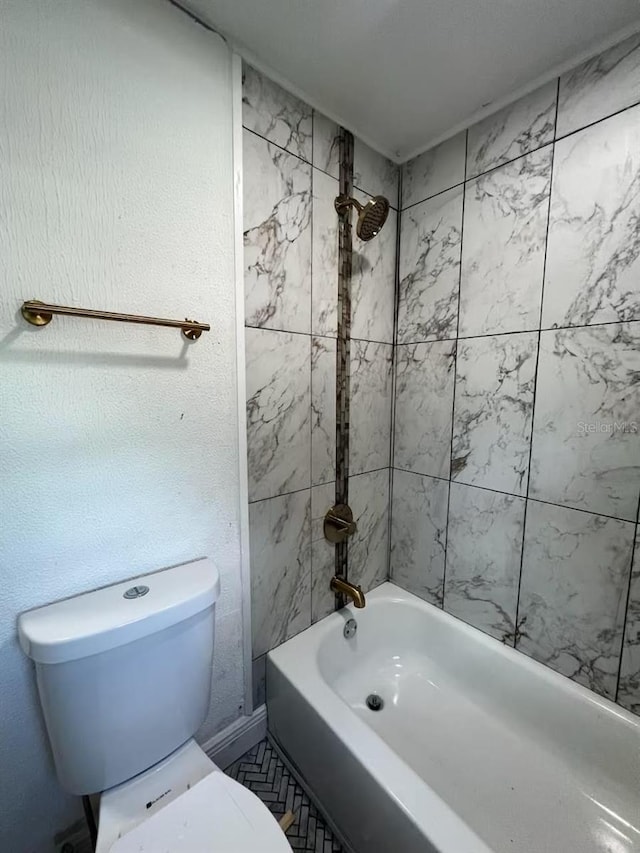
pixel 40 314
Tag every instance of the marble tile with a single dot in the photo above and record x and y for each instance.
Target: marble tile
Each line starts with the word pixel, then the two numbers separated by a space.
pixel 513 131
pixel 600 87
pixel 277 237
pixel 370 410
pixel 424 403
pixel 276 114
pixel 593 252
pixel 438 169
pixel 586 431
pixel 430 247
pixel 493 411
pixel 373 173
pixel 323 553
pixel 418 534
pixel 279 531
pixel 259 681
pixel 629 687
pixel 323 410
pixel 326 144
pixel 505 225
pixel 373 282
pixel 324 297
pixel 278 412
pixel 369 546
pixel 484 545
pixel 575 574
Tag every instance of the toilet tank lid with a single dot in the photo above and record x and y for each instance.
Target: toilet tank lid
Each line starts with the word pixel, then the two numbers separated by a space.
pixel 100 620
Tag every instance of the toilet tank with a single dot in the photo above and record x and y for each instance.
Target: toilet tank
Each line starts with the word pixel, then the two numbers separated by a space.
pixel 124 672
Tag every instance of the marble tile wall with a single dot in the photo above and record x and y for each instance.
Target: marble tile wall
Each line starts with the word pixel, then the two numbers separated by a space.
pixel 291 285
pixel 517 391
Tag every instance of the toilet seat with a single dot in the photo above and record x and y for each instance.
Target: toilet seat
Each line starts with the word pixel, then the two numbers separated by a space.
pixel 217 815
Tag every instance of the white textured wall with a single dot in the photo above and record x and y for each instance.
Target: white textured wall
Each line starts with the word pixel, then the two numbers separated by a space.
pixel 118 443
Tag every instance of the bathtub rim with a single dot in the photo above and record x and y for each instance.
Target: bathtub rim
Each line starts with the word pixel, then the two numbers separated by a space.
pixel 436 820
pixel 389 592
pixel 297 661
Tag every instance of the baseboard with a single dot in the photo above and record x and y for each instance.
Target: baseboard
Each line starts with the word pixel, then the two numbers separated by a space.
pixel 243 734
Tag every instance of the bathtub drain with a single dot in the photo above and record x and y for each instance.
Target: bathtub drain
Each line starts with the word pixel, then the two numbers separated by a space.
pixel 374 702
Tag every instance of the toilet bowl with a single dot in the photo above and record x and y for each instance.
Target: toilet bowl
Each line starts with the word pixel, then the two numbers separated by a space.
pixel 124 678
pixel 186 804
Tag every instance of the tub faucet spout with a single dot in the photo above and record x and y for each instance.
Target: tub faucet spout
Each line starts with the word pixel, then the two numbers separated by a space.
pixel 343 587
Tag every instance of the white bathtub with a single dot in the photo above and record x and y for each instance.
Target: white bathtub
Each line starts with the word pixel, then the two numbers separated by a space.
pixel 477 748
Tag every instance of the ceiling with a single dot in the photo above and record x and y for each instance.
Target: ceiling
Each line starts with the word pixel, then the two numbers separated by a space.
pixel 404 74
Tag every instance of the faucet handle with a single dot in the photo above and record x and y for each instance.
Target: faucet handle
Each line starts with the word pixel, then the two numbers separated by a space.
pixel 339 523
pixel 349 527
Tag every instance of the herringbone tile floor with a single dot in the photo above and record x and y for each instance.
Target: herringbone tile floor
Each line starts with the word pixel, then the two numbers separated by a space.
pixel 262 772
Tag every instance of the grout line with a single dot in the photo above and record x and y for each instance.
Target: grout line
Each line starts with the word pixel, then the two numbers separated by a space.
pixel 535 375
pixel 464 202
pixel 311 406
pixel 275 145
pixel 281 495
pixel 369 341
pixel 327 174
pixel 315 112
pixel 521 332
pixel 429 476
pixel 390 523
pixel 283 331
pixel 474 178
pixel 597 121
pixel 514 495
pixel 546 236
pixel 455 376
pixel 324 172
pixel 510 162
pixel 522 540
pixel 566 506
pixel 435 195
pixel 448 480
pixel 520 156
pixel 317 335
pixel 394 350
pixel 370 471
pixel 628 600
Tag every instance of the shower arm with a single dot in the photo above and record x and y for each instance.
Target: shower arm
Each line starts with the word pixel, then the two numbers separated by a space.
pixel 343 203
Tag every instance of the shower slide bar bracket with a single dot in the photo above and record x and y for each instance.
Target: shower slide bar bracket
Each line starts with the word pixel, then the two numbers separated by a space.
pixel 41 313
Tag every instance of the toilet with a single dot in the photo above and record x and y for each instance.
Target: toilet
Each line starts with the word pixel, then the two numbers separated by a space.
pixel 124 677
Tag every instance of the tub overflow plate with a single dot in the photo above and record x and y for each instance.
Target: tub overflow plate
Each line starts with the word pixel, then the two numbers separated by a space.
pixel 350 628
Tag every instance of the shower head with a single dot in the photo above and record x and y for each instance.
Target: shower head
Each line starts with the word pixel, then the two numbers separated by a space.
pixel 371 216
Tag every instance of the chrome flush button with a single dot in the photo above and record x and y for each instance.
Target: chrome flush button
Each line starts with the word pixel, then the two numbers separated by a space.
pixel 136 592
